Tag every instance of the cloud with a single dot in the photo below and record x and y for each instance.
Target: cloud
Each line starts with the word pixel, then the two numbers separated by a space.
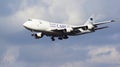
pixel 60 55
pixel 10 56
pixel 85 51
pixel 97 56
pixel 68 11
pixel 115 36
pixel 104 55
pixel 51 10
pixel 9 7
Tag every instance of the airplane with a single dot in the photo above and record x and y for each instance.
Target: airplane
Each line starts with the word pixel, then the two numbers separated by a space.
pixel 40 28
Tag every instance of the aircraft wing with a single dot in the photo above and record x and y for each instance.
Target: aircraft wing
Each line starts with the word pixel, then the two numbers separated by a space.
pixel 84 27
pixel 81 26
pixel 72 28
pixel 95 24
pixel 58 30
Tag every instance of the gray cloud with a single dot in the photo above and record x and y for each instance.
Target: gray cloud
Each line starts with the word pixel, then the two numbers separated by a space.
pixel 71 12
pixel 9 7
pixel 86 51
pixel 10 56
pixel 64 56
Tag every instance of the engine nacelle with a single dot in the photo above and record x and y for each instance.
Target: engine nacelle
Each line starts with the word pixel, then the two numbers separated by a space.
pixel 68 29
pixel 90 26
pixel 38 35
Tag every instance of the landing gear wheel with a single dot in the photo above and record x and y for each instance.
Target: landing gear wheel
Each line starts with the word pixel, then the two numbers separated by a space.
pixel 65 37
pixel 52 38
pixel 60 38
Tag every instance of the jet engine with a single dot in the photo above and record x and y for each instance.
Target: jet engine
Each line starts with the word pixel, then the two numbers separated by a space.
pixel 68 30
pixel 90 26
pixel 38 35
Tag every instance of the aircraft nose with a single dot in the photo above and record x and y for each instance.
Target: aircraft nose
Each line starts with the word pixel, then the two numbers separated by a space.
pixel 26 24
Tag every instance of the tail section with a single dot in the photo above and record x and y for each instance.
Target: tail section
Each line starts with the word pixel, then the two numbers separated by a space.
pixel 89 22
pixel 92 25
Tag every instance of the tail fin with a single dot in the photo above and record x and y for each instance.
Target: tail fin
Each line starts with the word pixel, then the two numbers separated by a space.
pixel 89 22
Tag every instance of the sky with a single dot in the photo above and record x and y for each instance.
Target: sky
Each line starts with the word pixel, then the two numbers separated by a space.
pixel 19 49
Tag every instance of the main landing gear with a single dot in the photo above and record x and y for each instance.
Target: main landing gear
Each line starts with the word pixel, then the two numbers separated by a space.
pixel 60 37
pixel 52 38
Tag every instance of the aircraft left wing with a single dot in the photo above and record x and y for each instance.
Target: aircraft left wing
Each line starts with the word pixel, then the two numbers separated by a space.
pixel 84 27
pixel 70 29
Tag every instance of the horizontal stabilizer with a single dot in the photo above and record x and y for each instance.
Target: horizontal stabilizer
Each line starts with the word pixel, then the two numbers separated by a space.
pixel 101 28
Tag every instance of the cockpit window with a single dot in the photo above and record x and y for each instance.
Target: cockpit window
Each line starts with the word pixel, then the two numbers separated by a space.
pixel 29 19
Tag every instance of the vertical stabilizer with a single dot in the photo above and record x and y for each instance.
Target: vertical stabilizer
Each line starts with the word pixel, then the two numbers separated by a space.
pixel 89 22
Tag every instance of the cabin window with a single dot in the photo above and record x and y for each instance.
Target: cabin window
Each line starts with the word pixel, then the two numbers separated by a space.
pixel 40 22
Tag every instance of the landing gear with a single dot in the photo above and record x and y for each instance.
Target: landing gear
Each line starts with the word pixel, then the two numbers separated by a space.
pixel 52 38
pixel 60 38
pixel 65 37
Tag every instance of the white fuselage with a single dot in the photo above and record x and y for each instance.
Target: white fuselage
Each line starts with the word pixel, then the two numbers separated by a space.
pixel 48 27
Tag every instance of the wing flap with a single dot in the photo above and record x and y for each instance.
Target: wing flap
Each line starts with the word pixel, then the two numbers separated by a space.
pixel 101 28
